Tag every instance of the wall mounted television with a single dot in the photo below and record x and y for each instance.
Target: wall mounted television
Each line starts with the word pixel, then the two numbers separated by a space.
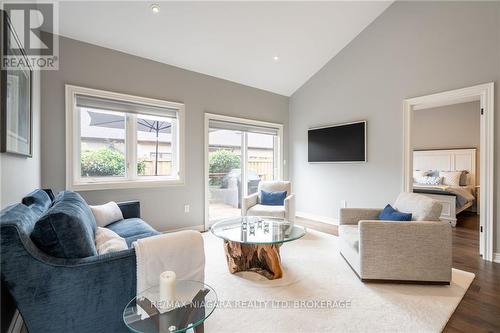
pixel 342 143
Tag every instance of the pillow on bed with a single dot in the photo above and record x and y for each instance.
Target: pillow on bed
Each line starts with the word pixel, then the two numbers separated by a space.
pixel 433 173
pixel 427 180
pixel 464 177
pixel 451 178
pixel 419 173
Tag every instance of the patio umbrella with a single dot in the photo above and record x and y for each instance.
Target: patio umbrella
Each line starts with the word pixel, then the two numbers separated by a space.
pixel 109 120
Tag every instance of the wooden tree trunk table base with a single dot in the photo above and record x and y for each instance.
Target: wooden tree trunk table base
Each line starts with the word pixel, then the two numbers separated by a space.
pixel 263 259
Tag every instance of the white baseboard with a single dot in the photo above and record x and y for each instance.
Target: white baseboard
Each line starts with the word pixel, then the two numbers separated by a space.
pixel 199 228
pixel 323 219
pixel 496 257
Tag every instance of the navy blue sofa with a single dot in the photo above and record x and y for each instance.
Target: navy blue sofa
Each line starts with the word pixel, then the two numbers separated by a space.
pixel 65 291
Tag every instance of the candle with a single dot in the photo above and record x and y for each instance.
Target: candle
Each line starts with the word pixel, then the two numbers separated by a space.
pixel 167 290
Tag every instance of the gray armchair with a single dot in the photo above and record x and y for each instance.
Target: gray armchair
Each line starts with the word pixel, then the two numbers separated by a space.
pixel 252 207
pixel 418 251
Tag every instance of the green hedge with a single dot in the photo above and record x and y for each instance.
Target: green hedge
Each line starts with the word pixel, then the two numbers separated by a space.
pixel 106 162
pixel 222 161
pixel 102 162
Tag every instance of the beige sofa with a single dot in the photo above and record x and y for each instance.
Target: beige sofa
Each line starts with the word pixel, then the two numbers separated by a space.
pixel 252 207
pixel 419 251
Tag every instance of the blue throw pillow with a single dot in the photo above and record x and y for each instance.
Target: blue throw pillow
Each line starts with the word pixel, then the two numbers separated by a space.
pixel 67 229
pixel 390 214
pixel 272 198
pixel 38 200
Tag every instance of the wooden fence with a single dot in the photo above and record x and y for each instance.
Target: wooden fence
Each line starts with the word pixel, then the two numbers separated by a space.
pixel 263 167
pixel 164 168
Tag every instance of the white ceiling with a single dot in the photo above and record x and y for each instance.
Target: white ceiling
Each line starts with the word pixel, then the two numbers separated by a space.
pixel 230 40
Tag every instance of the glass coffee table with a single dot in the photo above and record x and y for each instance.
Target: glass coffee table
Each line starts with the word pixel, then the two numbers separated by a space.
pixel 253 243
pixel 194 303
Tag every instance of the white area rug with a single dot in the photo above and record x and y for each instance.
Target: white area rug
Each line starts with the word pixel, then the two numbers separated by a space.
pixel 314 271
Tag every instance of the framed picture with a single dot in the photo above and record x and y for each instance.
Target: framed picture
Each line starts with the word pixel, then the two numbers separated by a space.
pixel 15 95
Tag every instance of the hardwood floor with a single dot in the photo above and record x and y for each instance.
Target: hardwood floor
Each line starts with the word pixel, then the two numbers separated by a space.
pixel 479 310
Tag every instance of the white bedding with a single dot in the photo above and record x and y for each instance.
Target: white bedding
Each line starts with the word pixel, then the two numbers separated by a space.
pixel 464 193
pixel 430 187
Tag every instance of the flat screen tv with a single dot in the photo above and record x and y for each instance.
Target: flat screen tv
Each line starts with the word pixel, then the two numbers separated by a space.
pixel 338 143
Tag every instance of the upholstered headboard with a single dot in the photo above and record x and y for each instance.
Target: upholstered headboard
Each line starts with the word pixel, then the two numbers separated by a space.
pixel 447 160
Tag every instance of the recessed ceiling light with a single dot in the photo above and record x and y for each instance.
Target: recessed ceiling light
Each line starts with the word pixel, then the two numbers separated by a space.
pixel 155 8
pixel 276 58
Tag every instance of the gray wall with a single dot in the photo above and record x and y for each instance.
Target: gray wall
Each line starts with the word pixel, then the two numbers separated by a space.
pixel 447 127
pixel 20 175
pixel 453 126
pixel 412 49
pixel 96 67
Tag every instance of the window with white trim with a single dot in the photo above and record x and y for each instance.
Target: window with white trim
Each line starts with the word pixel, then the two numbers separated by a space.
pixel 120 141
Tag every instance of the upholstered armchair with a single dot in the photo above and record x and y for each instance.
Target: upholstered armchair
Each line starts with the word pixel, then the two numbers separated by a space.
pixel 417 251
pixel 252 204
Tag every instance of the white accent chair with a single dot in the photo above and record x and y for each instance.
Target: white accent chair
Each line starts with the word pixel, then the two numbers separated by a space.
pixel 418 251
pixel 252 207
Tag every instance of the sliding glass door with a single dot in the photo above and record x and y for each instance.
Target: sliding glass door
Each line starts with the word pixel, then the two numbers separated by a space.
pixel 224 177
pixel 240 155
pixel 261 159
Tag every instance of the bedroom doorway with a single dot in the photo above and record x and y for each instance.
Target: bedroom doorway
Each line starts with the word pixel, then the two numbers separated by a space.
pixel 469 168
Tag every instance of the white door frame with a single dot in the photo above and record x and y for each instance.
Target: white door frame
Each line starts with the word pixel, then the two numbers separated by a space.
pixel 485 94
pixel 279 159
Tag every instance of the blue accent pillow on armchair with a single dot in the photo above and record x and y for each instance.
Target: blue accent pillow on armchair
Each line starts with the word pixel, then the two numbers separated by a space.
pixel 272 198
pixel 391 214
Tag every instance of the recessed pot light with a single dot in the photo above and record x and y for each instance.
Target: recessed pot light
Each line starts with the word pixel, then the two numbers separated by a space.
pixel 276 58
pixel 155 8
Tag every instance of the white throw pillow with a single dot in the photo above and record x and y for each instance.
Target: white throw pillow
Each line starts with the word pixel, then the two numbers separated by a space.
pixel 422 208
pixel 419 174
pixel 451 178
pixel 107 241
pixel 106 214
pixel 427 180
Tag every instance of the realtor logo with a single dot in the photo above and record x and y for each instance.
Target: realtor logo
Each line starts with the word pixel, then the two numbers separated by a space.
pixel 31 37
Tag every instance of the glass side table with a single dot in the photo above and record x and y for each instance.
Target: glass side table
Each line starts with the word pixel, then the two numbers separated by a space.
pixel 253 243
pixel 195 302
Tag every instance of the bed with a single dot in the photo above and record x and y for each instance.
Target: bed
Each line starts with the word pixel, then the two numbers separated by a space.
pixel 457 197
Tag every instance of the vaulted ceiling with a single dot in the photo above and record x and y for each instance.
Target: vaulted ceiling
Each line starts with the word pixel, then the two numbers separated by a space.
pixel 275 46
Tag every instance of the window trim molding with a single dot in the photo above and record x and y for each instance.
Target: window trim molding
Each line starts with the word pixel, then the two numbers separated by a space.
pixel 72 130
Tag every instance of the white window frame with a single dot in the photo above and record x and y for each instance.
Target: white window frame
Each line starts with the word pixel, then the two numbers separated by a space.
pixel 131 180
